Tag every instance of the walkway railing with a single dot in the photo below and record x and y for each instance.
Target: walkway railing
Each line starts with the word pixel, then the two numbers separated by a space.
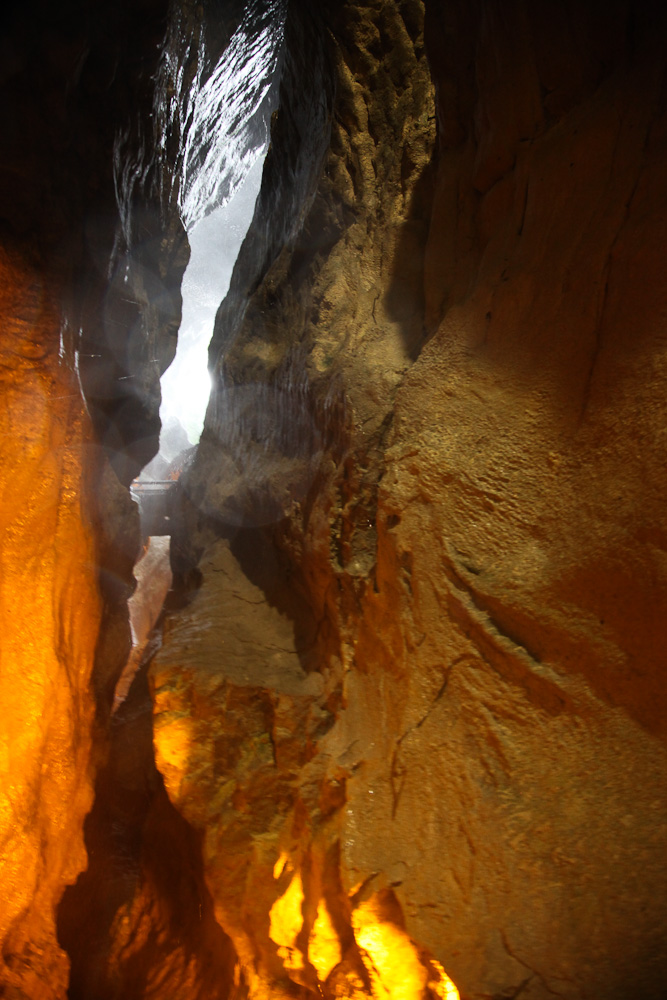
pixel 154 505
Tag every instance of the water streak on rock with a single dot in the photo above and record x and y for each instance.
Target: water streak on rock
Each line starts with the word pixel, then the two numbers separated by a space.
pixel 221 117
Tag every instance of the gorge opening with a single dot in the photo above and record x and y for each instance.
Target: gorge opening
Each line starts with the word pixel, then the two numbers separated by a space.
pixel 402 718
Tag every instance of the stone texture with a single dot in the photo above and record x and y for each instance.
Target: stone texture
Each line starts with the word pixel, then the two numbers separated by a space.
pixel 411 720
pixel 240 724
pixel 250 676
pixel 230 765
pixel 139 921
pixel 153 577
pixel 50 613
pixel 68 530
pixel 479 344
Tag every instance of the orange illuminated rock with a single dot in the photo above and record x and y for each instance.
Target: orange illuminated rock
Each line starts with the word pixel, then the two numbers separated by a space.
pixel 153 576
pixel 482 551
pixel 139 921
pixel 238 727
pixel 232 767
pixel 249 679
pixel 49 615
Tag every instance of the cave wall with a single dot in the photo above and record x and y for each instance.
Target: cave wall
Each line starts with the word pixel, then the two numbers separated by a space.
pixel 72 76
pixel 407 713
pixel 50 611
pixel 418 711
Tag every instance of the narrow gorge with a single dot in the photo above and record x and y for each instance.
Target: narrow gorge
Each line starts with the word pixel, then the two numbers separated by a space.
pixel 392 722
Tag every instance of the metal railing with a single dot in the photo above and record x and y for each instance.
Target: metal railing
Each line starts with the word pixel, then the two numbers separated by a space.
pixel 152 496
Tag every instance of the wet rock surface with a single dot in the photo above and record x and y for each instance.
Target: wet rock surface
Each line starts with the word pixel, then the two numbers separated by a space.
pixel 50 613
pixel 481 547
pixel 68 538
pixel 407 713
pixel 139 921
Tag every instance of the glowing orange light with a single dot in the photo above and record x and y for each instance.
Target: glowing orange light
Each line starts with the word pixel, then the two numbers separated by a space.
pixel 281 864
pixel 49 616
pixel 286 916
pixel 324 951
pixel 392 960
pixel 443 987
pixel 172 739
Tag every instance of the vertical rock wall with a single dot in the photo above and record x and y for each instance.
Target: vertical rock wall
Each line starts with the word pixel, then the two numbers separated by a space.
pixel 417 716
pixel 410 719
pixel 50 613
pixel 249 685
pixel 71 76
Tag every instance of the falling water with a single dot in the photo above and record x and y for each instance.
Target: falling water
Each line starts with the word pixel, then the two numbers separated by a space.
pixel 211 120
pixel 214 244
pixel 220 118
pixel 223 120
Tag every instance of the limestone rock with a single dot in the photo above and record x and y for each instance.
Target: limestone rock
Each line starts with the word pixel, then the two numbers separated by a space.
pixel 139 921
pixel 71 76
pixel 481 550
pixel 231 765
pixel 239 730
pixel 249 678
pixel 153 577
pixel 50 613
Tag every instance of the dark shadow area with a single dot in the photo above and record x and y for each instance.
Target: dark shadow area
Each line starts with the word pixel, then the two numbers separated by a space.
pixel 300 131
pixel 129 325
pixel 405 297
pixel 269 569
pixel 141 913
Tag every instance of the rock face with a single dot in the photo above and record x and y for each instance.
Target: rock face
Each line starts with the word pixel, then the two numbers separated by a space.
pixel 407 715
pixel 420 714
pixel 139 921
pixel 69 532
pixel 50 613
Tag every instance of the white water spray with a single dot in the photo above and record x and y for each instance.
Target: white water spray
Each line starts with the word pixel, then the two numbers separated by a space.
pixel 223 124
pixel 214 243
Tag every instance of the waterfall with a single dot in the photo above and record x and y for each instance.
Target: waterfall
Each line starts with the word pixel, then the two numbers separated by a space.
pixel 219 119
pixel 214 244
